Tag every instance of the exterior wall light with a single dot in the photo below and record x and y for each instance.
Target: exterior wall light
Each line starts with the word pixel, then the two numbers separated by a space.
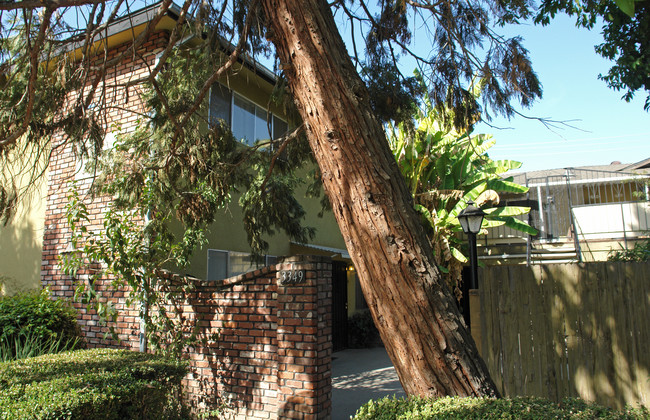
pixel 471 218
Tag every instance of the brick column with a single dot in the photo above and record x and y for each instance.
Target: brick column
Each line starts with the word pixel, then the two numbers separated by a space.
pixel 304 337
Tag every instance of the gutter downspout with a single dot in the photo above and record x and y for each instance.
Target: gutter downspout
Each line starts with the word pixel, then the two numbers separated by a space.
pixel 529 239
pixel 144 307
pixel 576 240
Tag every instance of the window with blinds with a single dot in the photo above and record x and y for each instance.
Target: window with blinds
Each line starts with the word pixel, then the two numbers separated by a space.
pixel 248 121
pixel 225 264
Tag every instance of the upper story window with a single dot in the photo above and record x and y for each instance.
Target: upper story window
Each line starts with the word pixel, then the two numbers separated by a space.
pixel 249 122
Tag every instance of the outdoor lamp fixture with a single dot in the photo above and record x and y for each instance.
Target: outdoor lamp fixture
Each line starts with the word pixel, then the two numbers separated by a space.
pixel 470 220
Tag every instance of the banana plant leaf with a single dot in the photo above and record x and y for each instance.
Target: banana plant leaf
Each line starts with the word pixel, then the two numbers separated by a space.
pixel 507 211
pixel 519 225
pixel 457 254
pixel 506 186
pixel 490 223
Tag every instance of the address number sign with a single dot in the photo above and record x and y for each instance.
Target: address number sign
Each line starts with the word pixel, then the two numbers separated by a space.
pixel 292 277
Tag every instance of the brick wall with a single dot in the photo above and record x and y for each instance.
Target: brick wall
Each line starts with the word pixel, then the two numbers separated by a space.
pixel 122 105
pixel 273 355
pixel 267 348
pixel 272 358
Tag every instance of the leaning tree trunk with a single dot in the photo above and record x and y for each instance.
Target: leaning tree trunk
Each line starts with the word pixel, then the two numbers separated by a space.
pixel 414 311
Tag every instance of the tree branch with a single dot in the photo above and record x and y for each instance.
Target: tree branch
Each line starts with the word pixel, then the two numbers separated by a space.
pixel 50 4
pixel 285 141
pixel 33 62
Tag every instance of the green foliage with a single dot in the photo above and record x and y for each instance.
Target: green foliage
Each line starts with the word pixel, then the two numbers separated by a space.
pixel 444 169
pixel 462 43
pixel 627 6
pixel 91 384
pixel 191 171
pixel 517 408
pixel 639 253
pixel 362 332
pixel 126 253
pixel 35 83
pixel 33 324
pixel 168 182
pixel 27 344
pixel 626 35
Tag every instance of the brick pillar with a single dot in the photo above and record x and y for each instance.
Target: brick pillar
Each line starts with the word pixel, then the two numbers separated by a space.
pixel 304 337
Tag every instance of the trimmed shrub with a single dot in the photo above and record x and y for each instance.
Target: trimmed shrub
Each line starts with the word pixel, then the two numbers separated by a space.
pixel 362 332
pixel 517 408
pixel 32 323
pixel 91 384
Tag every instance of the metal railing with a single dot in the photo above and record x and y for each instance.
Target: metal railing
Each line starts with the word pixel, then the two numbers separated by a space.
pixel 581 204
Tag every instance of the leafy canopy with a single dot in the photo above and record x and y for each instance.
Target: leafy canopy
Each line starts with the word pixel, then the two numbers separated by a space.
pixel 37 77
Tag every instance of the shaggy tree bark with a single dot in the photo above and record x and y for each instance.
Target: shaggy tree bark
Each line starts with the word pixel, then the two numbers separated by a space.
pixel 413 309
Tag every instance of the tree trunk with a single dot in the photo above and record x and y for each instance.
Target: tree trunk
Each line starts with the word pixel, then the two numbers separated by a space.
pixel 413 309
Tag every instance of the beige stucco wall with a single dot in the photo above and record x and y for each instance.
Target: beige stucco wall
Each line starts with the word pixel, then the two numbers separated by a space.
pixel 21 240
pixel 228 233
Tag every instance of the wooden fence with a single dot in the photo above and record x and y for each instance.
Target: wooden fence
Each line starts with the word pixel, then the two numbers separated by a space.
pixel 579 330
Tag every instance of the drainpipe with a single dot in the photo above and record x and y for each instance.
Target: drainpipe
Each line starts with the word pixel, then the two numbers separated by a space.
pixel 540 203
pixel 144 307
pixel 624 229
pixel 529 239
pixel 576 240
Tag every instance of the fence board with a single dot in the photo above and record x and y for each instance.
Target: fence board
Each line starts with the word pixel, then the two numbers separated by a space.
pixel 524 336
pixel 569 330
pixel 493 338
pixel 549 332
pixel 537 332
pixel 511 361
pixel 582 370
pixel 642 291
pixel 504 360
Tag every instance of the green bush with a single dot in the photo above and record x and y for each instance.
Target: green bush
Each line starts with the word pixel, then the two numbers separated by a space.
pixel 362 332
pixel 518 408
pixel 640 253
pixel 27 344
pixel 32 322
pixel 91 384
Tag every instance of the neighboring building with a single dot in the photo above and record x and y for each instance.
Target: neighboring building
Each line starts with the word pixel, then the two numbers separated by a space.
pixel 21 239
pixel 581 213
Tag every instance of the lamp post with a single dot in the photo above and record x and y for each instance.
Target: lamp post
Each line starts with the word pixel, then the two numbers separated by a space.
pixel 470 219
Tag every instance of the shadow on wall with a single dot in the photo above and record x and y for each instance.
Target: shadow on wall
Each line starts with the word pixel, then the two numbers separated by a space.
pixel 234 364
pixel 569 330
pixel 21 246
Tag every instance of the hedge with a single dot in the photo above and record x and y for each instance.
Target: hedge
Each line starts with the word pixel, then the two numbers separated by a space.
pixel 34 320
pixel 517 408
pixel 91 384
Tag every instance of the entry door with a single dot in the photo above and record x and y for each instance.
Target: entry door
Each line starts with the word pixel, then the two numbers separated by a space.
pixel 339 305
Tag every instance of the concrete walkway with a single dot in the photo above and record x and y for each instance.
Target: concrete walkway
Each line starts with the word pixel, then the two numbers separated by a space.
pixel 359 375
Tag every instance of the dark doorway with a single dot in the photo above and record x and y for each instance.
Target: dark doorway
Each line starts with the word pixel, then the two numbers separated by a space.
pixel 339 305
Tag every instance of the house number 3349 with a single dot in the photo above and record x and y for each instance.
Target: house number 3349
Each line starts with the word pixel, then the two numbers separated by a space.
pixel 292 277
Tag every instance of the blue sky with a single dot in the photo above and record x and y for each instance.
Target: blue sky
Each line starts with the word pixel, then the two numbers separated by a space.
pixel 608 128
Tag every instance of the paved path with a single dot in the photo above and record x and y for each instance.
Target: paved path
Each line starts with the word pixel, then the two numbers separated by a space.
pixel 359 375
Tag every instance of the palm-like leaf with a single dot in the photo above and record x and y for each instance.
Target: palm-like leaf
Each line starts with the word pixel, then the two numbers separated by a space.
pixel 434 160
